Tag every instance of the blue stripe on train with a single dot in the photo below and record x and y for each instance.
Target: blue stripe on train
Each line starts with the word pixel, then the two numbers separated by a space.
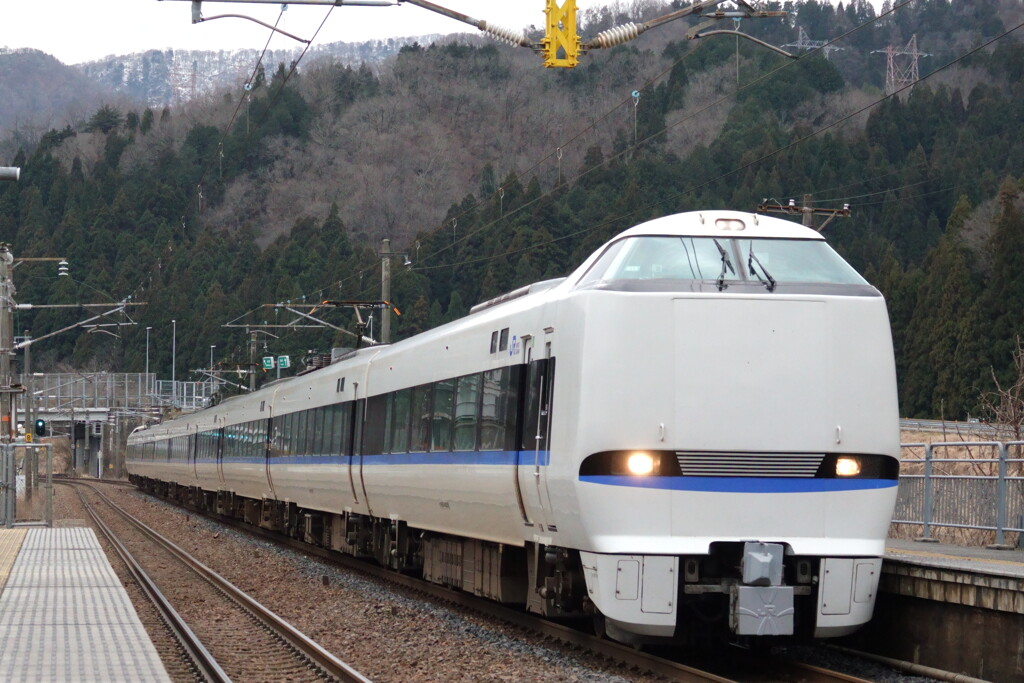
pixel 741 484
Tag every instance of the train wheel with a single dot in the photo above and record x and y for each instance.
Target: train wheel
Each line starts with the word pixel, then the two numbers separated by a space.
pixel 599 624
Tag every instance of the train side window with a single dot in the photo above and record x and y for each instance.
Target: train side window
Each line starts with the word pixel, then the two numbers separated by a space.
pixel 314 431
pixel 326 437
pixel 373 436
pixel 274 436
pixel 304 433
pixel 400 421
pixel 419 431
pixel 323 435
pixel 467 411
pixel 503 342
pixel 497 411
pixel 494 341
pixel 339 429
pixel 537 410
pixel 286 434
pixel 441 422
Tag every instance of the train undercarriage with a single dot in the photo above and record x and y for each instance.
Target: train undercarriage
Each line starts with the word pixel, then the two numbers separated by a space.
pixel 545 580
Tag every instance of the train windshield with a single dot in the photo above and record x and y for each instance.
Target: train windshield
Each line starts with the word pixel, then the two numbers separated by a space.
pixel 714 259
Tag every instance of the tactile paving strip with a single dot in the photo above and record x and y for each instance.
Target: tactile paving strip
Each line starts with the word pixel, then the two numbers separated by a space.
pixel 10 544
pixel 66 617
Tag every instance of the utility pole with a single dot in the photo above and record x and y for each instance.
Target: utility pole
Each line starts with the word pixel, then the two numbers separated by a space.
pixel 11 173
pixel 385 291
pixel 30 421
pixel 7 388
pixel 807 212
pixel 252 360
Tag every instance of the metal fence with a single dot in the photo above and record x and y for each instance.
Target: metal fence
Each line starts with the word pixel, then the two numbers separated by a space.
pixel 64 391
pixel 97 390
pixel 962 484
pixel 185 396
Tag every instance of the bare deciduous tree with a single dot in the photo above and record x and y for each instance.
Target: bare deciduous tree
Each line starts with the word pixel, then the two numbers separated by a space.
pixel 1005 405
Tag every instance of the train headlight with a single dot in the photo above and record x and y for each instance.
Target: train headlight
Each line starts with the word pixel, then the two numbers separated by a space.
pixel 847 467
pixel 641 464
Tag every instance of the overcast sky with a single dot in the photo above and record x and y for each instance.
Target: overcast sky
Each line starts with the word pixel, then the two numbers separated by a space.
pixel 77 31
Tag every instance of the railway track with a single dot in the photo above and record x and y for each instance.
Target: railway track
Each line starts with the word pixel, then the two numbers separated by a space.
pixel 741 665
pixel 226 634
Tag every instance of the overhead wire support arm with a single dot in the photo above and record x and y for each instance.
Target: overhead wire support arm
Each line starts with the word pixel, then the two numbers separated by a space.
pixel 198 18
pixel 507 35
pixel 29 342
pixel 738 34
pixel 806 212
pixel 623 34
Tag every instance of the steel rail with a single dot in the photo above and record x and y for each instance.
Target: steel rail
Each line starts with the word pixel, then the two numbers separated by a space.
pixel 308 647
pixel 205 663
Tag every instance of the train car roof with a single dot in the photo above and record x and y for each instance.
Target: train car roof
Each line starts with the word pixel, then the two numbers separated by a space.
pixel 721 224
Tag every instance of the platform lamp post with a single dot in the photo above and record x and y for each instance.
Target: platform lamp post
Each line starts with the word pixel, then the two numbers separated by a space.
pixel 174 362
pixel 149 386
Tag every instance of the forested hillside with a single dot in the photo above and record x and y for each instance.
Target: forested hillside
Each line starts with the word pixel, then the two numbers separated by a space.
pixel 488 172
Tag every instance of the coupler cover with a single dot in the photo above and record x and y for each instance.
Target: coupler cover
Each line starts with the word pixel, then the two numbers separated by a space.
pixel 764 610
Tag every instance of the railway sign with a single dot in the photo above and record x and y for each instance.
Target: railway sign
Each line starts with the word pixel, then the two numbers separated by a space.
pixel 284 362
pixel 268 362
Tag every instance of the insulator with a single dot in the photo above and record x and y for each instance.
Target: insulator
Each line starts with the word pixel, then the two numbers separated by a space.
pixel 617 35
pixel 505 35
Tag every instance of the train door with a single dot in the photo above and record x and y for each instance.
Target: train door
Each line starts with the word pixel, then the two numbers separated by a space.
pixel 367 410
pixel 354 429
pixel 220 452
pixel 534 453
pixel 193 452
pixel 263 437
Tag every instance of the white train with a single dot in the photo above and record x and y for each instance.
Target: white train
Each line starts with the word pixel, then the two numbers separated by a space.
pixel 696 432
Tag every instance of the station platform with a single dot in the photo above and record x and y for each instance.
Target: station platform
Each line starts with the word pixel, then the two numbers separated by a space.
pixel 972 577
pixel 955 608
pixel 65 615
pixel 1007 563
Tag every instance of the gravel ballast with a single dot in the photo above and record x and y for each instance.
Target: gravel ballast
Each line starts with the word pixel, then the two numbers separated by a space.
pixel 386 632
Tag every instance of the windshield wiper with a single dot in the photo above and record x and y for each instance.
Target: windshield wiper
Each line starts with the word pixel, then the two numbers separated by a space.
pixel 751 260
pixel 726 263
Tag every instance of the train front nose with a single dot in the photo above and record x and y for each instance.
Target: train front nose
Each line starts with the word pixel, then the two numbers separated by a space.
pixel 757 372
